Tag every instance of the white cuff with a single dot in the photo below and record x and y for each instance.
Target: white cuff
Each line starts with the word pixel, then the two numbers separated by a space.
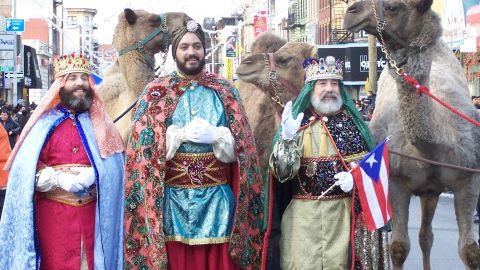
pixel 224 147
pixel 175 137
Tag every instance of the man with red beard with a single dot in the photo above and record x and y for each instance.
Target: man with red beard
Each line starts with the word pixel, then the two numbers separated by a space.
pixel 320 135
pixel 64 201
pixel 194 196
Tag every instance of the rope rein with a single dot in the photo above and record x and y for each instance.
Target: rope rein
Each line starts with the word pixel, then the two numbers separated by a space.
pixel 436 163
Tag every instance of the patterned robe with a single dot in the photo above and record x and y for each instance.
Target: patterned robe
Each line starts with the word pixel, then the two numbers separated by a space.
pixel 145 175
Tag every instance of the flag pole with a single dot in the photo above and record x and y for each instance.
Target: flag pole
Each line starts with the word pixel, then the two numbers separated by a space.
pixel 330 188
pixel 334 184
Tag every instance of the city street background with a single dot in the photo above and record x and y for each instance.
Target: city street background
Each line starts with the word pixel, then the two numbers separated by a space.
pixel 444 254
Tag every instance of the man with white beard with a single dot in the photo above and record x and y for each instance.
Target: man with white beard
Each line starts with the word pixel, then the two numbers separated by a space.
pixel 319 138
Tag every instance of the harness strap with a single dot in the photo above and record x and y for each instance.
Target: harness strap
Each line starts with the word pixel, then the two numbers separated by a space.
pixel 290 88
pixel 386 28
pixel 140 45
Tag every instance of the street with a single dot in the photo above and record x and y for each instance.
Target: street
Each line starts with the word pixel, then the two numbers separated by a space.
pixel 444 254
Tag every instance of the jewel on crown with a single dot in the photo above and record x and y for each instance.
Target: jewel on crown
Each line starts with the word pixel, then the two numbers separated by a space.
pixel 323 68
pixel 71 63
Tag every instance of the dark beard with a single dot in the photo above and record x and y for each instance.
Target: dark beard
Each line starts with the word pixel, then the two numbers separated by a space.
pixel 77 104
pixel 191 71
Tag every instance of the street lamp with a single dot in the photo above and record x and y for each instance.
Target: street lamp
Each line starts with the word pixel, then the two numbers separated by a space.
pixel 56 3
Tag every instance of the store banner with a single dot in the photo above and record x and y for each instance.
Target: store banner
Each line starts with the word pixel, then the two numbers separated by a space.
pixel 260 23
pixel 7 42
pixel 31 68
pixel 355 60
pixel 231 45
pixel 229 68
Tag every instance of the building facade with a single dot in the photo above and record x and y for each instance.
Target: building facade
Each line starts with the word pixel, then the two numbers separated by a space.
pixel 78 32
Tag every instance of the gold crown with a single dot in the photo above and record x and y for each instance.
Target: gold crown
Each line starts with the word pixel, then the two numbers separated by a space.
pixel 71 63
pixel 323 68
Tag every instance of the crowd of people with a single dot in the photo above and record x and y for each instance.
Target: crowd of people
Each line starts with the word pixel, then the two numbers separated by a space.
pixel 14 118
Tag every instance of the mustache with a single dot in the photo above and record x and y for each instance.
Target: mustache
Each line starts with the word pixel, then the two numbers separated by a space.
pixel 82 87
pixel 329 95
pixel 193 57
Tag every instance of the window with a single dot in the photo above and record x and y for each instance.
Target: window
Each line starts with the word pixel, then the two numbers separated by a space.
pixel 72 20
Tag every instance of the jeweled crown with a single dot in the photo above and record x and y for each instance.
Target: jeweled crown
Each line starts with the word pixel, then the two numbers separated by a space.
pixel 71 63
pixel 323 68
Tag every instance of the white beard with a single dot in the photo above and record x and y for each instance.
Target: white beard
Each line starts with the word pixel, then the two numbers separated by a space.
pixel 326 107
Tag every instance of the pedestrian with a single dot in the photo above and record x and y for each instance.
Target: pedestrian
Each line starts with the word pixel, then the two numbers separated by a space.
pixel 64 205
pixel 194 195
pixel 476 102
pixel 22 114
pixel 5 151
pixel 319 137
pixel 12 127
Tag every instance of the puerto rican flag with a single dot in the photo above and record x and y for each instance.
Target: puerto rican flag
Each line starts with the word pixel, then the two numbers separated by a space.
pixel 371 179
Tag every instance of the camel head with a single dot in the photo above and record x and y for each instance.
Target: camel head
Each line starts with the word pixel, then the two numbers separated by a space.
pixel 135 25
pixel 408 23
pixel 288 62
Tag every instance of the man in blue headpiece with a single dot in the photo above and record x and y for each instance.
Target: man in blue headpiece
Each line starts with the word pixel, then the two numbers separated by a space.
pixel 320 135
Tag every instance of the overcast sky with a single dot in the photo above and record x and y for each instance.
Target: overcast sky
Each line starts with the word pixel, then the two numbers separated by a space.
pixel 107 11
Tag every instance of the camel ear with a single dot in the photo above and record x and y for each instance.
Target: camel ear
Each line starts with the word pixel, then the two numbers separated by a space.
pixel 130 16
pixel 423 5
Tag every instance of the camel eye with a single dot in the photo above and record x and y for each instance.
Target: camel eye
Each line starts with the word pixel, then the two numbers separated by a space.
pixel 391 8
pixel 283 61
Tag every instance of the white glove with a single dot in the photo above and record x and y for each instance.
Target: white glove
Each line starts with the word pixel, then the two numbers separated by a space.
pixel 85 176
pixel 289 124
pixel 345 181
pixel 69 182
pixel 201 131
pixel 45 174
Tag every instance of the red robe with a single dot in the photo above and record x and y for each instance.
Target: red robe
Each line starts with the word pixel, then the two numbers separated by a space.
pixel 60 227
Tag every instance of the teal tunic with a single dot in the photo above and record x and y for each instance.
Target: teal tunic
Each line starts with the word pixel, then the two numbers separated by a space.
pixel 204 215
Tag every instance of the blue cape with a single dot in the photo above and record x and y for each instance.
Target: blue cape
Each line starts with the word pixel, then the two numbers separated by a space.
pixel 18 247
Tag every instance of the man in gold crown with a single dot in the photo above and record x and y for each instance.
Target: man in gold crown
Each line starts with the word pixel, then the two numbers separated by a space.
pixel 64 203
pixel 194 196
pixel 320 135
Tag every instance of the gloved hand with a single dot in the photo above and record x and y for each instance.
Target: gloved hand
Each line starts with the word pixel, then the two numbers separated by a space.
pixel 201 131
pixel 69 182
pixel 45 174
pixel 345 181
pixel 289 124
pixel 85 176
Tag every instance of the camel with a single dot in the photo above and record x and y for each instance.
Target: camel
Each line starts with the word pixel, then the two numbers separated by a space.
pixel 127 77
pixel 420 127
pixel 262 112
pixel 256 102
